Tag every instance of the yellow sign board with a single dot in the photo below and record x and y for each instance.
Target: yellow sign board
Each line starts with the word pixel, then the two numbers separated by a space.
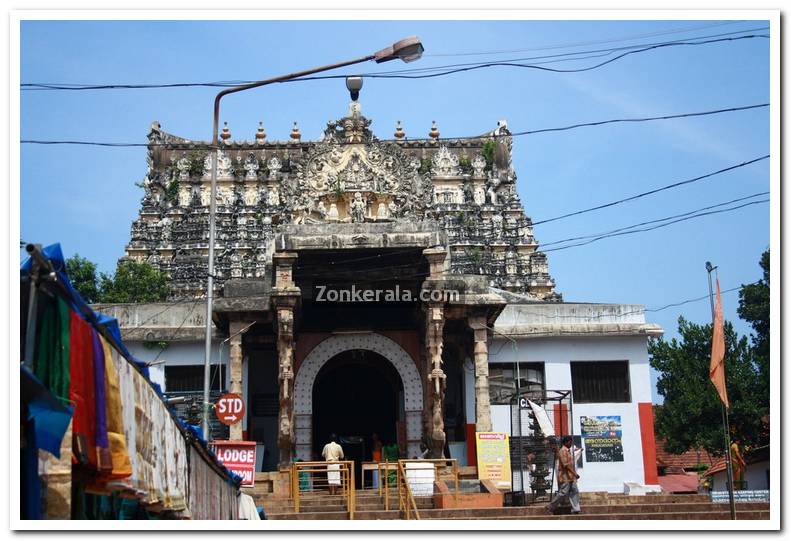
pixel 494 458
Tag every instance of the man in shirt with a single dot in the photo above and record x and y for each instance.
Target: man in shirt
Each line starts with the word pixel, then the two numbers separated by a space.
pixel 333 453
pixel 567 478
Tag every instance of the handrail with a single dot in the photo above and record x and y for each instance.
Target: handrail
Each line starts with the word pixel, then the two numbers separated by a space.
pixel 347 482
pixel 407 501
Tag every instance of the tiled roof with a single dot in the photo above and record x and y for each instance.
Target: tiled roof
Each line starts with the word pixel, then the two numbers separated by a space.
pixel 684 461
pixel 755 455
pixel 716 468
pixel 679 483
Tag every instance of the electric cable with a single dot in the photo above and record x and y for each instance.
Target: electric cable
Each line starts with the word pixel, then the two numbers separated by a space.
pixel 593 235
pixel 632 37
pixel 396 74
pixel 651 192
pixel 492 135
pixel 645 229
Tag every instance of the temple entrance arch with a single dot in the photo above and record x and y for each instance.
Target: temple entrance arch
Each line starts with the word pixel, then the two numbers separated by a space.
pixel 330 348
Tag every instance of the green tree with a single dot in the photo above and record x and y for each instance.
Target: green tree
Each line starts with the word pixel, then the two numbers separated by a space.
pixel 82 274
pixel 134 282
pixel 754 308
pixel 691 415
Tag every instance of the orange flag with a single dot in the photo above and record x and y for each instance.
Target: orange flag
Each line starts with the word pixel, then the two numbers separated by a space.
pixel 717 366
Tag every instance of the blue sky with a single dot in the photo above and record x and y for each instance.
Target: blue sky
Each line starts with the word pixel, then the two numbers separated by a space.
pixel 86 198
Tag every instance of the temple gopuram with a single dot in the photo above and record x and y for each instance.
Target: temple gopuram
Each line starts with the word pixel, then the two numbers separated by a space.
pixel 395 287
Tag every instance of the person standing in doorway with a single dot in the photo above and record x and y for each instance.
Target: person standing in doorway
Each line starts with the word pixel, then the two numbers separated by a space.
pixel 376 448
pixel 333 452
pixel 567 478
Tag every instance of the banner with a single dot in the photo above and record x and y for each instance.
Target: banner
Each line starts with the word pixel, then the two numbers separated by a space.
pixel 494 459
pixel 239 457
pixel 602 438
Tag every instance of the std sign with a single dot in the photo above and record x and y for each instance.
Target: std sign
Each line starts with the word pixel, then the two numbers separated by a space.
pixel 229 409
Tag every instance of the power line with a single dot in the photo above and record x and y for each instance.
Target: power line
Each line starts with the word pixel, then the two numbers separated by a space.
pixel 693 300
pixel 533 66
pixel 584 43
pixel 564 57
pixel 651 192
pixel 396 74
pixel 645 229
pixel 643 119
pixel 654 221
pixel 512 134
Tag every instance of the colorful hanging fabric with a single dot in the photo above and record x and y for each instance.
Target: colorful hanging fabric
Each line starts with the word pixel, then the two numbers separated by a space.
pixel 82 390
pixel 121 466
pixel 104 461
pixel 52 351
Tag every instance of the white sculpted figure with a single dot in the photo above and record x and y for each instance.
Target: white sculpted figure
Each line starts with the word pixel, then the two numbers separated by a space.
pixel 478 166
pixel 251 166
pixel 274 167
pixel 273 199
pixel 497 225
pixel 250 196
pixel 358 207
pixel 184 196
pixel 492 190
pixel 332 215
pixel 183 165
pixel 321 208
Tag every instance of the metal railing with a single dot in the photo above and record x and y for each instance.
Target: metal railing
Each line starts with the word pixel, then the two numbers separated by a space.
pixel 406 501
pixel 446 469
pixel 317 478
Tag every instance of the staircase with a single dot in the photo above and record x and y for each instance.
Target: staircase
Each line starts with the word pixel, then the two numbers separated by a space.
pixel 595 506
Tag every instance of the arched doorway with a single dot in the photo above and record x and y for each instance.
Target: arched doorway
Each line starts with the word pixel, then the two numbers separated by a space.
pixel 356 393
pixel 370 343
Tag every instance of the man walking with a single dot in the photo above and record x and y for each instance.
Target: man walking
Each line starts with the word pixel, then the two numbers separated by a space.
pixel 567 478
pixel 333 453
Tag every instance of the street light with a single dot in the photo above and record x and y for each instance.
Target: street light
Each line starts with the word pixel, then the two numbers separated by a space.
pixel 408 50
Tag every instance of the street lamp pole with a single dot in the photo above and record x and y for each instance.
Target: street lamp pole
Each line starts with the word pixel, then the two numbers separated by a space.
pixel 408 50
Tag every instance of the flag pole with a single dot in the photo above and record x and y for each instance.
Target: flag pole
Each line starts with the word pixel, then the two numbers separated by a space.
pixel 725 423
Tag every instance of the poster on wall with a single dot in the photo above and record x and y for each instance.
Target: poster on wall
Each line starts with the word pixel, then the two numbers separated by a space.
pixel 494 458
pixel 602 438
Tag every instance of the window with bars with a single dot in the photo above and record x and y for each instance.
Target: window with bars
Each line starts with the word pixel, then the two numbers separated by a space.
pixel 600 381
pixel 502 380
pixel 188 378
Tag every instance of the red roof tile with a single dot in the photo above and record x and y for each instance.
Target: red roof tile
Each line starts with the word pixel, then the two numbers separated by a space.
pixel 684 461
pixel 679 483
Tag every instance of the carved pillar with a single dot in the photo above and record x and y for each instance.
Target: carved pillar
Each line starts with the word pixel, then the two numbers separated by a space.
pixel 284 299
pixel 435 323
pixel 237 329
pixel 483 415
pixel 285 378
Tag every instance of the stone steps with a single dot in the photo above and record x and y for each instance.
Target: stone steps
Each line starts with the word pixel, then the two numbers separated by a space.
pixel 703 515
pixel 668 511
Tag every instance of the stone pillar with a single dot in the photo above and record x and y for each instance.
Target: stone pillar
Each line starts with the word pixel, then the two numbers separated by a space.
pixel 285 378
pixel 483 415
pixel 435 323
pixel 237 329
pixel 284 298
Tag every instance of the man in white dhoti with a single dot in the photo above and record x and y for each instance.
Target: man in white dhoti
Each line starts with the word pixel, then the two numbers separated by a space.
pixel 333 453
